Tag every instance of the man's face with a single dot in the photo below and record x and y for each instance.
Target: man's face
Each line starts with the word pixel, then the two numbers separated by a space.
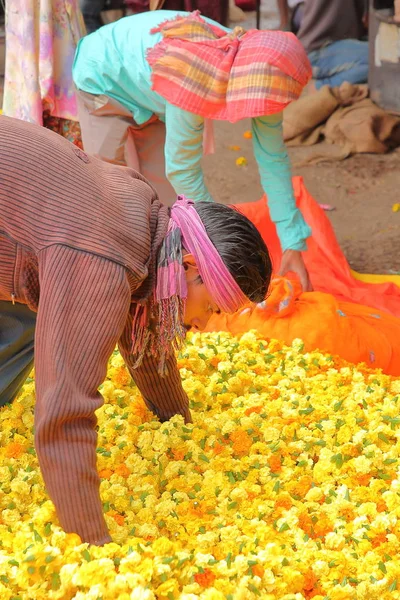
pixel 199 304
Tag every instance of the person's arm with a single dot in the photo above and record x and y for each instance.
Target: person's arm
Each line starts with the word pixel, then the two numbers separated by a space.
pixel 276 179
pixel 84 304
pixel 164 396
pixel 183 153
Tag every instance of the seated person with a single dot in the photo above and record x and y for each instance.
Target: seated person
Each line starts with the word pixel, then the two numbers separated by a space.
pixel 331 33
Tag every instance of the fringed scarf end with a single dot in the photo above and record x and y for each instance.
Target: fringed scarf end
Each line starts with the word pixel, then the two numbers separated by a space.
pixel 170 334
pixel 159 28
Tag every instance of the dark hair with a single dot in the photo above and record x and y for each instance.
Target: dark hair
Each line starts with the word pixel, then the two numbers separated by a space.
pixel 240 245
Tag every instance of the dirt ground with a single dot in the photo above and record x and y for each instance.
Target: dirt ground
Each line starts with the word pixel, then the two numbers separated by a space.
pixel 362 189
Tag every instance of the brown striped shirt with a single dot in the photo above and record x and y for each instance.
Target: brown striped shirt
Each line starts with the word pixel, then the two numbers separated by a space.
pixel 78 244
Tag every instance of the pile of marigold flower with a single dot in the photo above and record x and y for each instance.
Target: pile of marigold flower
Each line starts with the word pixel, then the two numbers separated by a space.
pixel 286 486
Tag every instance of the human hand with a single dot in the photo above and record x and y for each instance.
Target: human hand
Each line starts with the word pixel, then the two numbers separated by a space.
pixel 292 261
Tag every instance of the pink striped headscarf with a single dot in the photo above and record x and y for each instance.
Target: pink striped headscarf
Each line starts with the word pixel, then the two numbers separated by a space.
pixel 167 306
pixel 204 70
pixel 220 284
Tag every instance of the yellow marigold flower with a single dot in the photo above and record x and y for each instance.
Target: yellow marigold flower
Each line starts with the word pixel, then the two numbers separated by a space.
pixel 285 486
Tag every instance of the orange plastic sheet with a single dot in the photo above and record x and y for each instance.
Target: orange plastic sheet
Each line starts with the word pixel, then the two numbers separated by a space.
pixel 355 317
pixel 352 331
pixel 328 268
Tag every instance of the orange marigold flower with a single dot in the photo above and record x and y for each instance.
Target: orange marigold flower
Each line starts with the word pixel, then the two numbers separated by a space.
pixel 258 571
pixel 310 580
pixel 275 463
pixel 321 527
pixel 247 135
pixel 242 442
pixel 140 410
pixel 274 346
pixel 121 377
pixel 218 448
pixel 364 478
pixel 253 409
pixel 119 519
pixel 205 578
pixel 197 509
pixel 283 502
pixel 305 523
pixel 122 470
pixel 379 539
pixel 351 449
pixel 301 487
pixel 178 454
pixel 14 450
pixel 381 506
pixel 215 360
pixel 105 473
pixel 347 513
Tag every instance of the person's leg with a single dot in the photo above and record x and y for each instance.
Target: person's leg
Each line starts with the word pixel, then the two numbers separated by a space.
pixel 149 142
pixel 345 60
pixel 109 132
pixel 297 17
pixel 91 11
pixel 104 126
pixel 17 330
pixel 284 20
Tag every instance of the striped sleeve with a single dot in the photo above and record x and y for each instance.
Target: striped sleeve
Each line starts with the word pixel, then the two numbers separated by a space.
pixel 164 396
pixel 84 303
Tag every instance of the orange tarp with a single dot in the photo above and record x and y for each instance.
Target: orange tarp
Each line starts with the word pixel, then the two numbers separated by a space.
pixel 328 268
pixel 352 331
pixel 346 316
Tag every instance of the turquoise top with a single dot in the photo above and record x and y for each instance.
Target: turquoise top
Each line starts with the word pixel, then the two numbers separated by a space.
pixel 112 61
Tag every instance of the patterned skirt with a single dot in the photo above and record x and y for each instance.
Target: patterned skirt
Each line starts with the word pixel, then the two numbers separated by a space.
pixel 66 127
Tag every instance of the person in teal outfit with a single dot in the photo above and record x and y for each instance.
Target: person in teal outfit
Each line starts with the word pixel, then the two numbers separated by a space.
pixel 129 120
